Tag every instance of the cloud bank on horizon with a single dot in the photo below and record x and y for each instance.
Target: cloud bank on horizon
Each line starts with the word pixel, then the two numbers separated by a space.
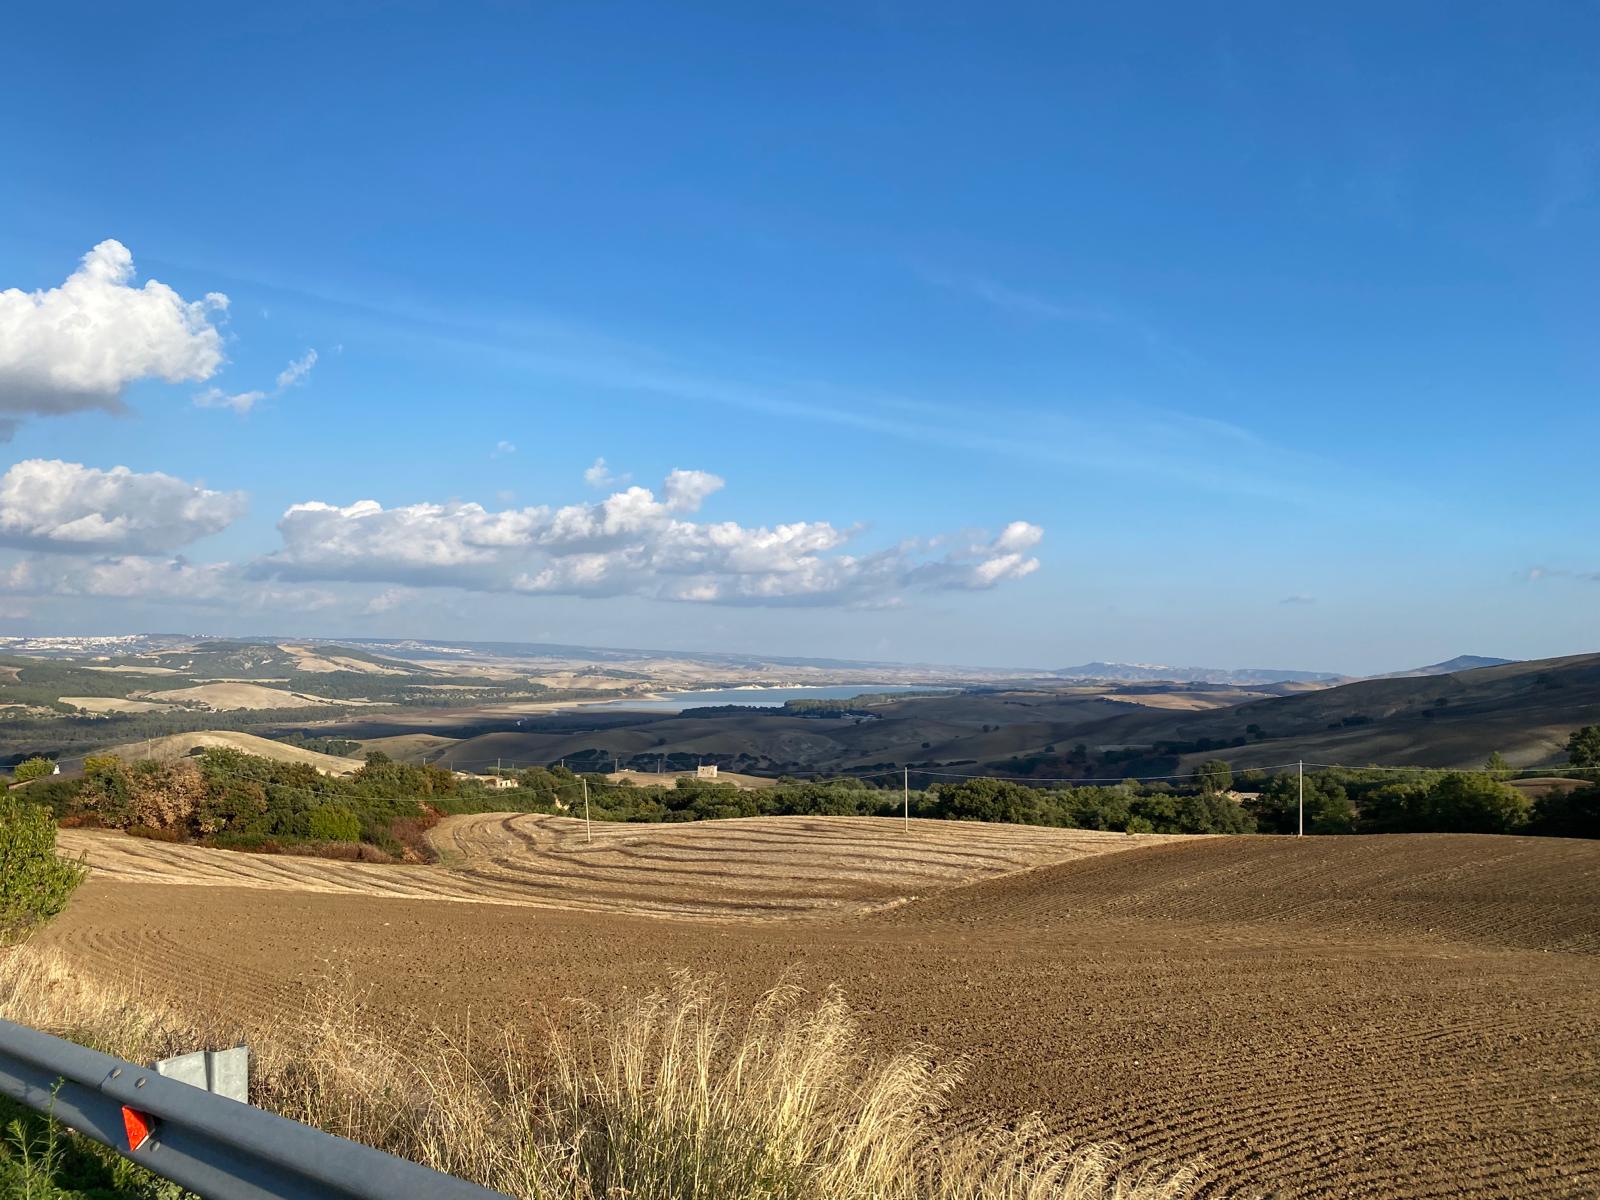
pixel 116 533
pixel 629 544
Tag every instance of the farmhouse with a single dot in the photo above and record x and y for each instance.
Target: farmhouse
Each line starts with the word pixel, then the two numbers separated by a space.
pixel 498 782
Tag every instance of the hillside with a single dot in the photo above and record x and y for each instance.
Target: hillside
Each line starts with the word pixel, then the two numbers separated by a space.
pixel 1525 710
pixel 1461 662
pixel 1507 892
pixel 223 696
pixel 178 745
pixel 1149 673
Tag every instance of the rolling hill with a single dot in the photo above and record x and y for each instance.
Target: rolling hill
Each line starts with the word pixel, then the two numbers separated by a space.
pixel 178 745
pixel 1525 710
pixel 1461 662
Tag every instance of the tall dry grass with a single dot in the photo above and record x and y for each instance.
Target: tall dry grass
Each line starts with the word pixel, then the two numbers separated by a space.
pixel 671 1097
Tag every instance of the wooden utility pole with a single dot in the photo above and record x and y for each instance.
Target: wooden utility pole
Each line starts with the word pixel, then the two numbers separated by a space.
pixel 588 835
pixel 905 795
pixel 1302 771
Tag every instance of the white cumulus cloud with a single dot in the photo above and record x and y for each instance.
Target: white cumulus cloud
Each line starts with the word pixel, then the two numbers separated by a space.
pixel 632 543
pixel 47 504
pixel 79 345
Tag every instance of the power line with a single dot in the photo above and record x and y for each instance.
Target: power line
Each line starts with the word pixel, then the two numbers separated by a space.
pixel 1081 778
pixel 1507 771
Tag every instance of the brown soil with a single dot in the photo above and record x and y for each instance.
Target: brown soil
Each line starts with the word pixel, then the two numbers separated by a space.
pixel 1406 1016
pixel 756 867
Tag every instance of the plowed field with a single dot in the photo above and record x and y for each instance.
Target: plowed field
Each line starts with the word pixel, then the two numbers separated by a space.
pixel 1407 1016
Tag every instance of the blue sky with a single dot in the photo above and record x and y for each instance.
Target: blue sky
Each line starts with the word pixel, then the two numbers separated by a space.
pixel 1016 335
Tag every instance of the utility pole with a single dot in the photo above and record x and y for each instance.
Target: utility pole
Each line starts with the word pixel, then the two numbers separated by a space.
pixel 905 795
pixel 588 836
pixel 1302 772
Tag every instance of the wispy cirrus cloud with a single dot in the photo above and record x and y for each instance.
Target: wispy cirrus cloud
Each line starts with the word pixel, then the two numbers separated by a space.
pixel 1090 433
pixel 291 376
pixel 1535 574
pixel 297 371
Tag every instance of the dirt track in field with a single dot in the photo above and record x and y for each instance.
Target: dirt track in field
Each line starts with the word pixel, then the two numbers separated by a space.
pixel 1403 1016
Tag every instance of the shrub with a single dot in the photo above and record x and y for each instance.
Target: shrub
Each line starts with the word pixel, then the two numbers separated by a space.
pixel 35 882
pixel 30 769
pixel 331 823
pixel 1560 813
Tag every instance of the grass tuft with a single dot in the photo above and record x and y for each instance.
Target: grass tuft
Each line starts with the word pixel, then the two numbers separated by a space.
pixel 669 1097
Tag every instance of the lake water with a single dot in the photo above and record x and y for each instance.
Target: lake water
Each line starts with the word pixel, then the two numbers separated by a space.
pixel 759 697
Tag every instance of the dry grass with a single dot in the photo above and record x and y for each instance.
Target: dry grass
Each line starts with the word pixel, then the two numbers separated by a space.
pixel 670 1097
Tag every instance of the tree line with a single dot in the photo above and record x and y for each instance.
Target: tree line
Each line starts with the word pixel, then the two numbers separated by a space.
pixel 225 797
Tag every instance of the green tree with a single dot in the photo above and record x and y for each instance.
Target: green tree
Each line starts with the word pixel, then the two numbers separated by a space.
pixel 1276 806
pixel 1213 776
pixel 1498 766
pixel 334 823
pixel 33 768
pixel 1583 747
pixel 1564 813
pixel 35 882
pixel 1477 804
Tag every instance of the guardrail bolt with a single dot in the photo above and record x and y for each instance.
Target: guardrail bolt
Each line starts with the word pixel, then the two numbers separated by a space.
pixel 116 1071
pixel 139 1082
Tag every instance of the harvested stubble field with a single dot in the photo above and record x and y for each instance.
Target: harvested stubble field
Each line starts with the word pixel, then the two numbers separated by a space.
pixel 755 867
pixel 1380 1016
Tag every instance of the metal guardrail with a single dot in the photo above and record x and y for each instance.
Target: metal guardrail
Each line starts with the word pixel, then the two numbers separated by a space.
pixel 216 1147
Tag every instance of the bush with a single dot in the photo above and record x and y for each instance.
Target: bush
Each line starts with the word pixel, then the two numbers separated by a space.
pixel 1561 813
pixel 30 769
pixel 35 882
pixel 332 823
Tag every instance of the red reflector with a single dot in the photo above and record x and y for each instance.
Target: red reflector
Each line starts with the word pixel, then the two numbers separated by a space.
pixel 138 1125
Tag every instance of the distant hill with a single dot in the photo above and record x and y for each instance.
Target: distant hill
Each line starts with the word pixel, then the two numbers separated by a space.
pixel 1461 662
pixel 1065 728
pixel 1148 672
pixel 179 745
pixel 1525 710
